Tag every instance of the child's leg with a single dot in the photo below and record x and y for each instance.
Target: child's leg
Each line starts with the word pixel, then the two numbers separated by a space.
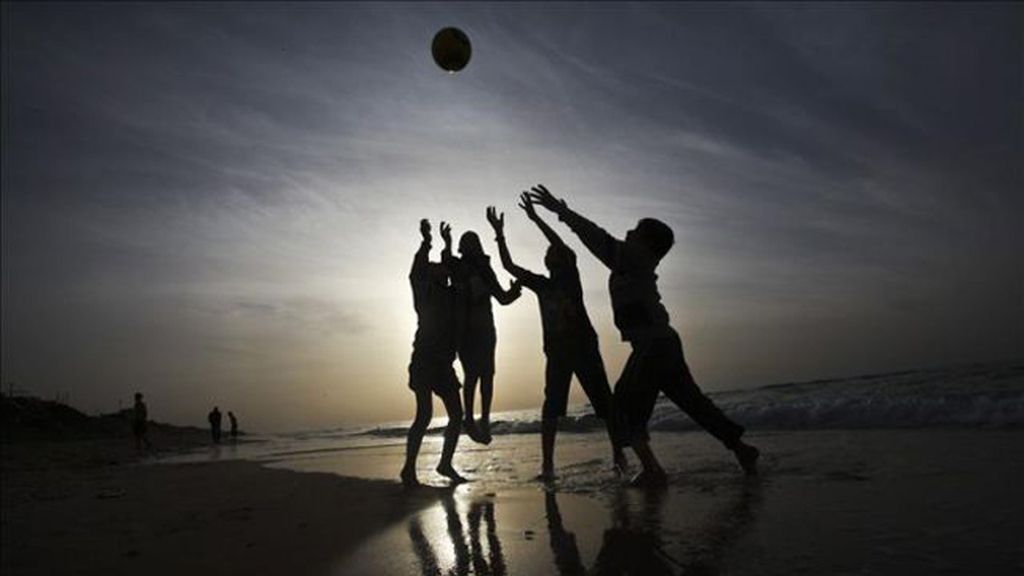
pixel 486 395
pixel 469 391
pixel 589 369
pixel 652 468
pixel 633 401
pixel 451 434
pixel 557 377
pixel 680 387
pixel 424 411
pixel 548 431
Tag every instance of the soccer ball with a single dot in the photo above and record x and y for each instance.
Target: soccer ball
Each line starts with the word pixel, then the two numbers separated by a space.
pixel 451 49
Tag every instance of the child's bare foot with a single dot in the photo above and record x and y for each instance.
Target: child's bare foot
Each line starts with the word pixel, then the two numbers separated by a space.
pixel 620 466
pixel 450 473
pixel 485 431
pixel 409 479
pixel 473 431
pixel 648 479
pixel 546 476
pixel 747 456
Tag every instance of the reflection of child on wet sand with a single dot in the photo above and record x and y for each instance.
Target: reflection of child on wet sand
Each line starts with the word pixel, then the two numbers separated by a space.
pixel 430 371
pixel 475 283
pixel 570 342
pixel 656 363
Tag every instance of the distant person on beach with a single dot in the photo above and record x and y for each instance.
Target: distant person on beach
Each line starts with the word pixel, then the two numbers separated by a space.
pixel 475 284
pixel 656 363
pixel 234 425
pixel 214 419
pixel 433 352
pixel 140 423
pixel 570 342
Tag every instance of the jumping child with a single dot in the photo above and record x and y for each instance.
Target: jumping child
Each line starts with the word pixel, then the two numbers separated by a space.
pixel 475 283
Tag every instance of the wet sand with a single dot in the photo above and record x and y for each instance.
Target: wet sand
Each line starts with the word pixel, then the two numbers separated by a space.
pixel 223 517
pixel 827 502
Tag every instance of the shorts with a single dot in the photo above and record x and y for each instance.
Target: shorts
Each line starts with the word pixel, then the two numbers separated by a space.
pixel 476 354
pixel 585 362
pixel 433 372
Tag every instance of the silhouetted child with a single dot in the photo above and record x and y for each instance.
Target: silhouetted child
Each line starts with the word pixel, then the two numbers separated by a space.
pixel 475 283
pixel 214 418
pixel 140 423
pixel 656 362
pixel 570 342
pixel 234 425
pixel 433 352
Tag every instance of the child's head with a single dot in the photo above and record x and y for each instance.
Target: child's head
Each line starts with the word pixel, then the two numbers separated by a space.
pixel 654 235
pixel 469 245
pixel 559 259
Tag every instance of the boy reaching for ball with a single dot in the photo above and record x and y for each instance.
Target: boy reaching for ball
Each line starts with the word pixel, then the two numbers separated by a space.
pixel 570 342
pixel 656 363
pixel 433 352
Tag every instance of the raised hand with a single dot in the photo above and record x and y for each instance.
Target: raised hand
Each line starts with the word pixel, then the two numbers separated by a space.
pixel 497 222
pixel 526 203
pixel 540 195
pixel 425 229
pixel 446 233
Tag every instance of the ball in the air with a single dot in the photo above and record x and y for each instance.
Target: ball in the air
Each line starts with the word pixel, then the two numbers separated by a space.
pixel 451 49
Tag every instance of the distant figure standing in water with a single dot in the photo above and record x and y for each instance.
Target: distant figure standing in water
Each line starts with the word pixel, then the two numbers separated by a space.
pixel 475 283
pixel 433 352
pixel 140 423
pixel 656 363
pixel 214 419
pixel 570 342
pixel 234 425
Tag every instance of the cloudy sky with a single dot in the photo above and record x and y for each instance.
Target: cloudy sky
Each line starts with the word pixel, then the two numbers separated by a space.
pixel 218 204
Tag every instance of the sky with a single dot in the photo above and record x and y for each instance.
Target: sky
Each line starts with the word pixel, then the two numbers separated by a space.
pixel 218 204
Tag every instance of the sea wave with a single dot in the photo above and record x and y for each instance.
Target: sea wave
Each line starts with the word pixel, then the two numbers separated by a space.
pixel 983 396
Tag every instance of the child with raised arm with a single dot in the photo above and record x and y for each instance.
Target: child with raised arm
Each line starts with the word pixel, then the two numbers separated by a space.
pixel 433 352
pixel 570 342
pixel 656 363
pixel 475 284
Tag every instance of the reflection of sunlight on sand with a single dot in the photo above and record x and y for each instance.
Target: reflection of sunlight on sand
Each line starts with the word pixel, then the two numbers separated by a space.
pixel 429 534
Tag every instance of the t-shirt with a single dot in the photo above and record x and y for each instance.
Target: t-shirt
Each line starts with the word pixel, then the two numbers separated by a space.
pixel 563 314
pixel 633 285
pixel 474 283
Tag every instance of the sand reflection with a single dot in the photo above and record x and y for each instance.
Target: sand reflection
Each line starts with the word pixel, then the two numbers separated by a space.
pixel 625 532
pixel 476 551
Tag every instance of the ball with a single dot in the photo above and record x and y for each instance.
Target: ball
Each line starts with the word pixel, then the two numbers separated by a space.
pixel 451 49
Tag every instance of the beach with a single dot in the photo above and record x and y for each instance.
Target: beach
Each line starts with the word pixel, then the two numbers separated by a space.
pixel 232 517
pixel 836 501
pixel 842 489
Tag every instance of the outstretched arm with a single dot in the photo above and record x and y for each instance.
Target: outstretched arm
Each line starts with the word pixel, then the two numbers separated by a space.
pixel 498 223
pixel 526 203
pixel 446 253
pixel 505 297
pixel 422 258
pixel 600 243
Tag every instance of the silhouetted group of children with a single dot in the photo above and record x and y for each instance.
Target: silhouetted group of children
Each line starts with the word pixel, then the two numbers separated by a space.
pixel 452 299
